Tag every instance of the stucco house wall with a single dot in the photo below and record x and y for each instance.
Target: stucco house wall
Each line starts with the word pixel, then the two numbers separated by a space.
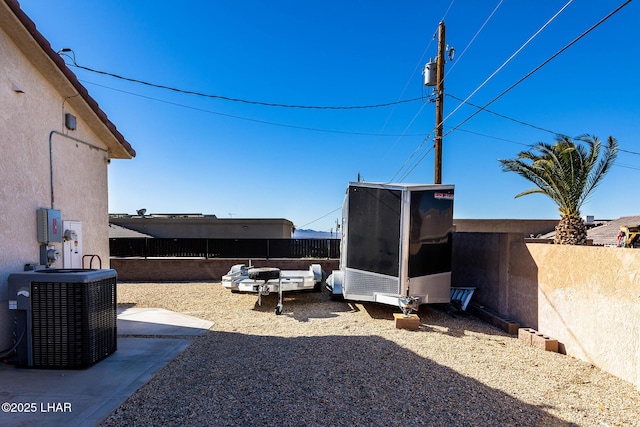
pixel 35 94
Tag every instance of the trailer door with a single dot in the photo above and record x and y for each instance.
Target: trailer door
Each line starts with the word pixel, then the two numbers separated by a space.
pixel 430 232
pixel 374 230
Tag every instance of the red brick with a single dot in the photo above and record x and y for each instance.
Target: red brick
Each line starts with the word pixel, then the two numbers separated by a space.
pixel 544 342
pixel 525 335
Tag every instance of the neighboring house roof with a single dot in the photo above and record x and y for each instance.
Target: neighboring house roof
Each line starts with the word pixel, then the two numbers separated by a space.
pixel 117 231
pixel 118 147
pixel 605 232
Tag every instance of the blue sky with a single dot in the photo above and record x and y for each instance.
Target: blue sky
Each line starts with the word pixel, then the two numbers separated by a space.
pixel 208 155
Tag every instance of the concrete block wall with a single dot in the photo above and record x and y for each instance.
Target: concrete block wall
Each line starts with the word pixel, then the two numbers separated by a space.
pixel 589 300
pixel 196 269
pixel 585 297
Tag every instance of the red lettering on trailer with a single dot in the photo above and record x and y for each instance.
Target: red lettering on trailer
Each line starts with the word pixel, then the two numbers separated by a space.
pixel 448 196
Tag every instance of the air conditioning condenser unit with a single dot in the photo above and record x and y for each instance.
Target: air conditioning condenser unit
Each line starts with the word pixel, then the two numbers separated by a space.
pixel 65 318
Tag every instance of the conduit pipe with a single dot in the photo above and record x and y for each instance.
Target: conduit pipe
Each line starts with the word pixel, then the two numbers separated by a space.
pixel 51 156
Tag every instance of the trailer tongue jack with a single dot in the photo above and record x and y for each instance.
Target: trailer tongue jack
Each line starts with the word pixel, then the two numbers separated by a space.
pixel 408 304
pixel 265 274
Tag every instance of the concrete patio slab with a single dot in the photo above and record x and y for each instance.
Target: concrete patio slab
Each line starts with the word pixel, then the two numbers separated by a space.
pixel 148 339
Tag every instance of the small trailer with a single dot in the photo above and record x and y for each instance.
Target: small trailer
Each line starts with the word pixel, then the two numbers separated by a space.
pixel 265 280
pixel 396 245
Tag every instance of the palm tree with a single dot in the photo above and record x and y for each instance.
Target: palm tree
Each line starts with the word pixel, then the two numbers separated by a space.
pixel 568 172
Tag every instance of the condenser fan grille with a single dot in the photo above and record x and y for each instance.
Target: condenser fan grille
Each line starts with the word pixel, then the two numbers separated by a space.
pixel 73 324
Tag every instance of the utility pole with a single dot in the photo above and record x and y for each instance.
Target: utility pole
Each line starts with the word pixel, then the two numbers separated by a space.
pixel 439 102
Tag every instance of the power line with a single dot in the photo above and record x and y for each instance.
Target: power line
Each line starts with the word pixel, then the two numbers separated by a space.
pixel 629 152
pixel 239 100
pixel 509 59
pixel 519 122
pixel 322 217
pixel 447 11
pixel 495 137
pixel 424 140
pixel 484 83
pixel 417 114
pixel 250 119
pixel 410 171
pixel 503 116
pixel 474 37
pixel 403 134
pixel 574 41
pixel 627 166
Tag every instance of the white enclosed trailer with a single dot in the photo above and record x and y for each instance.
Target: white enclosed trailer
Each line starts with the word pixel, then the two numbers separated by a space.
pixel 396 244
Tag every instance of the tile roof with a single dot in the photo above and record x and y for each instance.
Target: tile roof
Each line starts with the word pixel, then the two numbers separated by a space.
pixel 607 234
pixel 44 44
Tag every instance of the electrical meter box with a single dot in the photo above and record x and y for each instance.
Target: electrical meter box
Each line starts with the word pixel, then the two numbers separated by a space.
pixel 49 225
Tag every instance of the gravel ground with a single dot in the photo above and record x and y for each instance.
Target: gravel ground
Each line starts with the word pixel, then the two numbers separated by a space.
pixel 328 363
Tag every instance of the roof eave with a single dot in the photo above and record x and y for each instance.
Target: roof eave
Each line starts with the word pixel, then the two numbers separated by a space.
pixel 118 147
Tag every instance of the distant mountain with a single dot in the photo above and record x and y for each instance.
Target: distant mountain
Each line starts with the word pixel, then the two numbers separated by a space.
pixel 313 234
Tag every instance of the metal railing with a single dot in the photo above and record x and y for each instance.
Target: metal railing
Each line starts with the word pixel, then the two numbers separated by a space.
pixel 224 248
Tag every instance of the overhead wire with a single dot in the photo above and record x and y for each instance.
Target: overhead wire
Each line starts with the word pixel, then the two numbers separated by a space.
pixel 322 217
pixel 482 108
pixel 494 137
pixel 415 152
pixel 529 74
pixel 484 24
pixel 239 100
pixel 487 80
pixel 404 134
pixel 417 114
pixel 522 123
pixel 503 116
pixel 627 166
pixel 446 12
pixel 504 64
pixel 410 171
pixel 629 152
pixel 248 118
pixel 374 105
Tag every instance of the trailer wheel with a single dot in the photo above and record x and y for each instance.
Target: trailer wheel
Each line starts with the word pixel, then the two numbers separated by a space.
pixel 278 309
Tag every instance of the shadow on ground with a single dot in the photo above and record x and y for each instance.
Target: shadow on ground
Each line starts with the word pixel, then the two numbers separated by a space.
pixel 439 318
pixel 234 379
pixel 299 304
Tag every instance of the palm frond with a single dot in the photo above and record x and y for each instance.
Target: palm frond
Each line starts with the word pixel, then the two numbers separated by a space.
pixel 567 171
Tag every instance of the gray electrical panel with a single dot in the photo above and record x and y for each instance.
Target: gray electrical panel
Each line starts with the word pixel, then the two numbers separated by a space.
pixel 49 225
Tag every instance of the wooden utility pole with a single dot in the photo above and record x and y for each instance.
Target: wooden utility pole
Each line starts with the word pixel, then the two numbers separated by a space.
pixel 439 102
